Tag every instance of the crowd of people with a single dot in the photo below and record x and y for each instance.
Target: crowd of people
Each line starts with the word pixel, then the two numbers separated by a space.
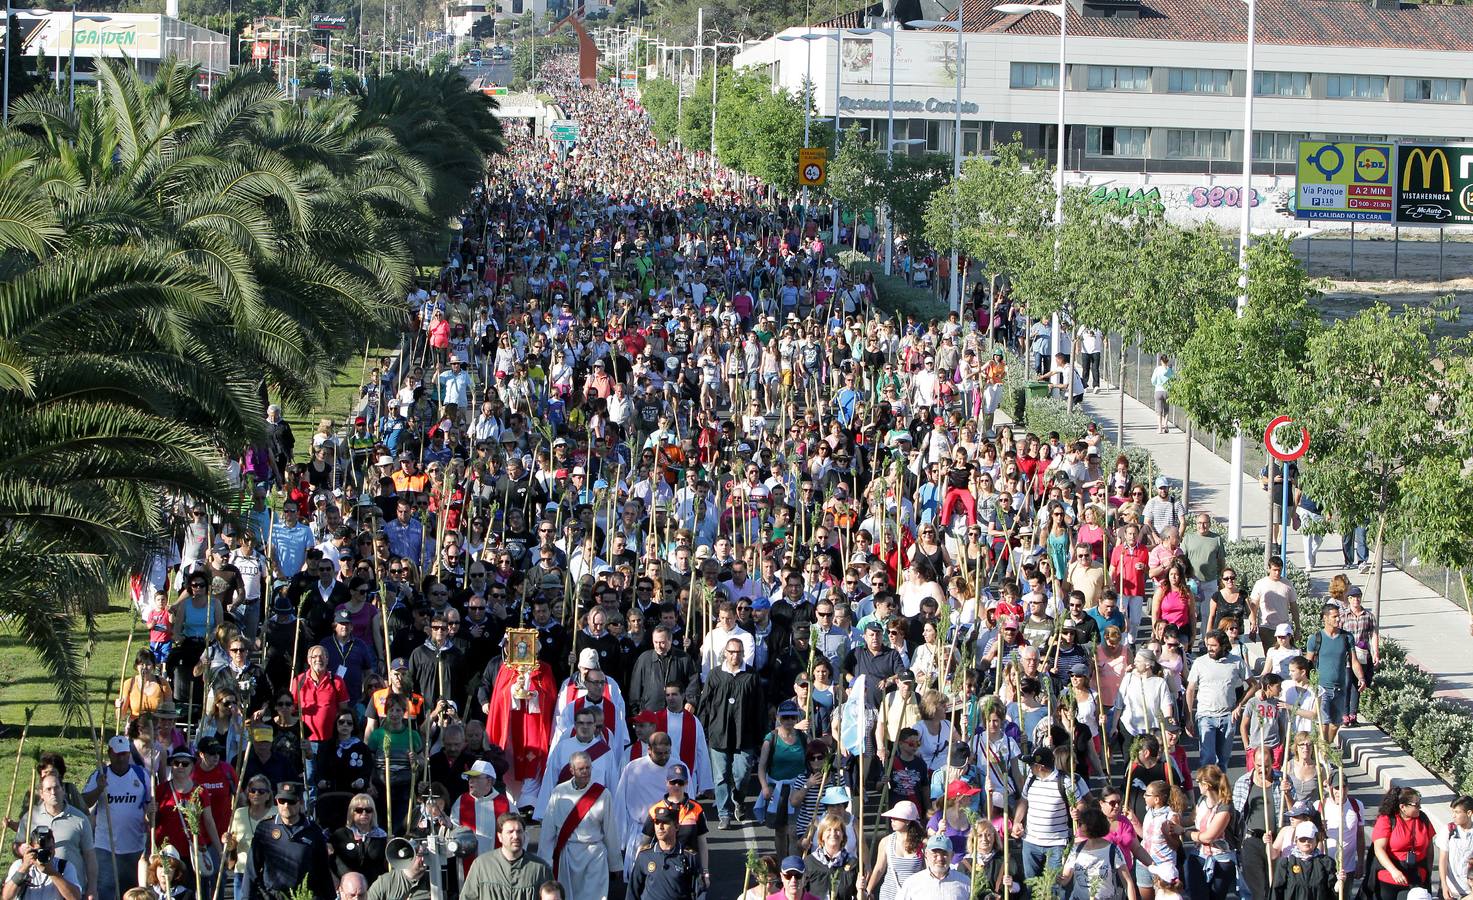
pixel 658 525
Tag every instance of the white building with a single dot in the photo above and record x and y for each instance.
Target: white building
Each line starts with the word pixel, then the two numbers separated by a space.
pixel 144 39
pixel 1155 88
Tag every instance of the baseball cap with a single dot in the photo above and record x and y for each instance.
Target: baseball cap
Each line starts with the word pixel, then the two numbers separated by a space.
pixel 1284 630
pixel 1301 810
pixel 1162 481
pixel 119 744
pixel 664 814
pixel 1306 830
pixel 792 864
pixel 479 767
pixel 1166 871
pixel 939 842
pixel 959 790
pixel 677 772
pixel 289 790
pixel 588 659
pixel 1079 669
pixel 789 709
pixel 342 617
pixel 399 663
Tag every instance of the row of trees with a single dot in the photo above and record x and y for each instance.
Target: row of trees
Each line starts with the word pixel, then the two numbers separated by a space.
pixel 1389 403
pixel 167 263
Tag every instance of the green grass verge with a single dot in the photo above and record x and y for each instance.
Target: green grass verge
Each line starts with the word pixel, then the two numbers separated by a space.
pixel 338 405
pixel 24 682
pixel 894 294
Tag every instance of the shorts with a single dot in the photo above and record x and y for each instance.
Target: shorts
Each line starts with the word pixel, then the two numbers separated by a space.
pixel 1332 705
pixel 1160 403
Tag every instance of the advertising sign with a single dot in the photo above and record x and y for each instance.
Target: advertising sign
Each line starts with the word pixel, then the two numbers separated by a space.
pixel 1434 184
pixel 1344 181
pixel 324 22
pixel 260 50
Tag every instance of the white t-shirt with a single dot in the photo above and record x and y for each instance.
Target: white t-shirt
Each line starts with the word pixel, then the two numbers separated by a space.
pixel 1458 846
pixel 128 796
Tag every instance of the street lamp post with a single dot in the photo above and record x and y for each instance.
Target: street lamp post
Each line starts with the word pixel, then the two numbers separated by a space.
pixel 1061 10
pixel 1235 485
pixel 71 101
pixel 956 146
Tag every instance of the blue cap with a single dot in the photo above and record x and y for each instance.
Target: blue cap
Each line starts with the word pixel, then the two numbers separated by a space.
pixel 677 772
pixel 792 864
pixel 789 708
pixel 761 603
pixel 939 842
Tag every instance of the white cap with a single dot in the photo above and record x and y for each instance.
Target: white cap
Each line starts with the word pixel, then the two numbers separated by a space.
pixel 119 744
pixel 588 659
pixel 479 767
pixel 1284 630
pixel 1306 830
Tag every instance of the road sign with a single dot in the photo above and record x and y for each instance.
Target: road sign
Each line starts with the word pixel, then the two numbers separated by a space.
pixel 494 90
pixel 1434 184
pixel 564 130
pixel 813 166
pixel 628 79
pixel 1345 181
pixel 1280 453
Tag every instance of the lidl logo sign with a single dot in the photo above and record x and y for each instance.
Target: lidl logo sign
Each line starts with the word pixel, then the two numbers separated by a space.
pixel 1372 165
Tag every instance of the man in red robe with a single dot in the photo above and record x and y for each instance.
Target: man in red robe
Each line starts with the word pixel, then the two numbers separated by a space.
pixel 522 724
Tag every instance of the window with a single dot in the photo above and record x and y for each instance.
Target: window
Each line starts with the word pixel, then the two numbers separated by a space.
pixel 934 141
pixel 1196 143
pixel 1276 146
pixel 1106 140
pixel 1035 76
pixel 1119 78
pixel 1355 87
pixel 1432 90
pixel 1281 84
pixel 1198 81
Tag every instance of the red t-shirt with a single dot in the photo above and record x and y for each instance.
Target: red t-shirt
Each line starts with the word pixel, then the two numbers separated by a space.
pixel 170 824
pixel 1130 580
pixel 215 787
pixel 319 702
pixel 1403 837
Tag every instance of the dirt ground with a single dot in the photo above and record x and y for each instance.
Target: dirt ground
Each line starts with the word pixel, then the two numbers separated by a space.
pixel 1391 272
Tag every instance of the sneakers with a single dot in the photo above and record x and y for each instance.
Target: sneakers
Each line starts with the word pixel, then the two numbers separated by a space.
pixel 723 824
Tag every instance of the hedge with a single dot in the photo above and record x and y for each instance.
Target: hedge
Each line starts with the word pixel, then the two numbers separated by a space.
pixel 1438 734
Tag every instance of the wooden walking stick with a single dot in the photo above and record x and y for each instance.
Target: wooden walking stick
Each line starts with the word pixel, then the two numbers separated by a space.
pixel 15 773
pixel 107 807
pixel 1267 825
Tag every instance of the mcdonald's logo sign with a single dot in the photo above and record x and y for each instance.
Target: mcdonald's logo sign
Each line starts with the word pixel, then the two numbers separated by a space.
pixel 1428 162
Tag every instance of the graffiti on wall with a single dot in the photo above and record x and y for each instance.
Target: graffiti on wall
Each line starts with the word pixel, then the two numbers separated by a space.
pixel 1218 196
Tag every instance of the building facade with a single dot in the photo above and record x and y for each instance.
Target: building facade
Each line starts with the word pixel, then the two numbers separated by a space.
pixel 1155 89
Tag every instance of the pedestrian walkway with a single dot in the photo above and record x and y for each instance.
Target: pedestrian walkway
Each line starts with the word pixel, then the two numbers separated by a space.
pixel 1417 617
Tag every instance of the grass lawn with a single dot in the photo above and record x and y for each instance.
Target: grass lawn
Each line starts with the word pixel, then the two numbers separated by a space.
pixel 25 683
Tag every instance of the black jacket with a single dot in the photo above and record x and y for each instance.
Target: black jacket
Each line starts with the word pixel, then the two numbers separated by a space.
pixel 646 689
pixel 841 882
pixel 733 711
pixel 284 856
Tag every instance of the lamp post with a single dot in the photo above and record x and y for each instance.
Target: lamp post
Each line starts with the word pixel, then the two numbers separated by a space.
pixel 1061 10
pixel 1235 485
pixel 71 101
pixel 715 77
pixel 9 11
pixel 956 146
pixel 210 62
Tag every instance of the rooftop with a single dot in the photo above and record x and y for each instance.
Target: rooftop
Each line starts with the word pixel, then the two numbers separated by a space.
pixel 1323 23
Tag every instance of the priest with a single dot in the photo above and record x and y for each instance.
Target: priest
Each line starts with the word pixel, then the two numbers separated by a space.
pixel 586 739
pixel 519 714
pixel 580 833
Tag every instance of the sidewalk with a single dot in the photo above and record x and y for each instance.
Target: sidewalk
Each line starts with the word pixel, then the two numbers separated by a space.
pixel 1414 615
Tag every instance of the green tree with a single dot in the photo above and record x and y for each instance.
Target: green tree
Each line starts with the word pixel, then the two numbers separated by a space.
pixel 908 183
pixel 1375 394
pixel 856 175
pixel 1232 370
pixel 658 98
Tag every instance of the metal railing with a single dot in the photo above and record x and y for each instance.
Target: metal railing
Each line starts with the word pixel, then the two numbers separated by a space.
pixel 1135 379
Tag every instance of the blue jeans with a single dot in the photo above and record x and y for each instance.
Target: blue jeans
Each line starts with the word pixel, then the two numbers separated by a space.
pixel 729 769
pixel 1214 741
pixel 127 874
pixel 1036 858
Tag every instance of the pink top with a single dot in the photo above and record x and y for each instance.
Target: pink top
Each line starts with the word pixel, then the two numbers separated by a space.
pixel 1111 671
pixel 1174 608
pixel 1122 835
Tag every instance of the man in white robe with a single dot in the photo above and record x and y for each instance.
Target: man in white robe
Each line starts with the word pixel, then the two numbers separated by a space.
pixel 640 787
pixel 580 834
pixel 587 739
pixel 479 807
pixel 591 688
pixel 687 739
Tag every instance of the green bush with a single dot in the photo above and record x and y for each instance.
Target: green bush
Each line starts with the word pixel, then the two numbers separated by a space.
pixel 1439 734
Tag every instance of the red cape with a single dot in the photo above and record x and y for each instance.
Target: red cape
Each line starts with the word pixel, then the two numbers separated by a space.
pixel 526 736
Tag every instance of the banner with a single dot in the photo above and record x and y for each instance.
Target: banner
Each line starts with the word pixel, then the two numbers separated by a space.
pixel 1343 181
pixel 1434 184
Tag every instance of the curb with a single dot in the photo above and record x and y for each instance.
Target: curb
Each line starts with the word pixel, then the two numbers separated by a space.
pixel 1372 753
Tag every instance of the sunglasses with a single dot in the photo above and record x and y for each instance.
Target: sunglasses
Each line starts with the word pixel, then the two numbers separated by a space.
pixel 257 791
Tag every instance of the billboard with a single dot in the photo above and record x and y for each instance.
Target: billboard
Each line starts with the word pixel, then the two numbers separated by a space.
pixel 1434 184
pixel 1344 181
